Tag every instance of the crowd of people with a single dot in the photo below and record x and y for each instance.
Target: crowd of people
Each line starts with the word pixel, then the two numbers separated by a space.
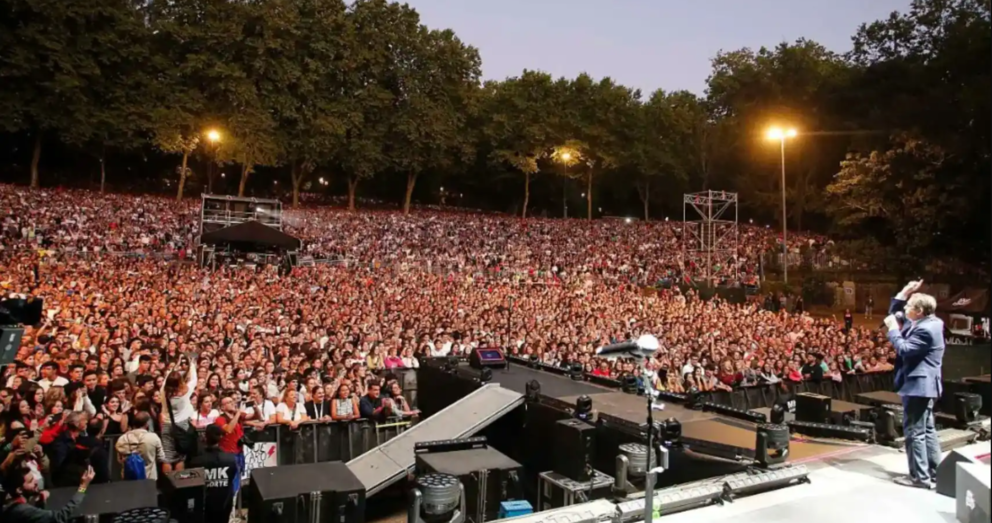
pixel 151 349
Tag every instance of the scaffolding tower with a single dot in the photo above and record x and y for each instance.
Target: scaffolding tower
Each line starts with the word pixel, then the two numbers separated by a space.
pixel 709 233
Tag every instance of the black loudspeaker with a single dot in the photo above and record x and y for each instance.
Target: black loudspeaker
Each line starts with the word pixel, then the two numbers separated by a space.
pixel 19 310
pixel 813 408
pixel 947 470
pixel 184 493
pixel 292 493
pixel 489 477
pixel 105 501
pixel 966 407
pixel 10 341
pixel 574 445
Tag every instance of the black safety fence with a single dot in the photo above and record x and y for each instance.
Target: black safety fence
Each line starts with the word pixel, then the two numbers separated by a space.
pixel 310 442
pixel 766 396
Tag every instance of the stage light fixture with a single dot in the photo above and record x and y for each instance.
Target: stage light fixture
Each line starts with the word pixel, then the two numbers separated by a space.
pixel 583 408
pixel 533 391
pixel 967 407
pixel 577 372
pixel 486 375
pixel 772 445
pixel 629 384
pixel 755 481
pixel 671 432
pixel 437 498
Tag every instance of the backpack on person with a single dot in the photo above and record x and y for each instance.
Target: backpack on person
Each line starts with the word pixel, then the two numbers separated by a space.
pixel 134 464
pixel 134 467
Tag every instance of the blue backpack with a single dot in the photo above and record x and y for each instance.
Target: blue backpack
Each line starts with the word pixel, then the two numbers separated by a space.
pixel 134 466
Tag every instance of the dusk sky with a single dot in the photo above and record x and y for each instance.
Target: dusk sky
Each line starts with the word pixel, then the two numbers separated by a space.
pixel 648 44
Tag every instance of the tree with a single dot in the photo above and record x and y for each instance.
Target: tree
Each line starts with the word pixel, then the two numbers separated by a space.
pixel 434 87
pixel 53 54
pixel 601 117
pixel 656 150
pixel 791 85
pixel 522 122
pixel 900 195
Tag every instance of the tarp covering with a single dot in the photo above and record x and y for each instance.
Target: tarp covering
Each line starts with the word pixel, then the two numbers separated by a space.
pixel 970 301
pixel 254 233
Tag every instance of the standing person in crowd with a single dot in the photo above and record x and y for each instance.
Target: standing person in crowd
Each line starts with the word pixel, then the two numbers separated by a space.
pixel 919 347
pixel 176 413
pixel 345 406
pixel 70 455
pixel 318 408
pixel 373 406
pixel 869 305
pixel 145 444
pixel 291 412
pixel 220 468
pixel 26 502
pixel 233 437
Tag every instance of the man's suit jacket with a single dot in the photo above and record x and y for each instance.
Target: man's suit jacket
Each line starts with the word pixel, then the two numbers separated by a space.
pixel 919 355
pixel 312 410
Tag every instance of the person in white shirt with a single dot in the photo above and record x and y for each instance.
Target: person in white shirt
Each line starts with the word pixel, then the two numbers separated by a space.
pixel 205 412
pixel 291 412
pixel 178 393
pixel 50 376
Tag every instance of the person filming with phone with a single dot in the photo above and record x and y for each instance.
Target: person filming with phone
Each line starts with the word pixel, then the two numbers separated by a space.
pixel 25 502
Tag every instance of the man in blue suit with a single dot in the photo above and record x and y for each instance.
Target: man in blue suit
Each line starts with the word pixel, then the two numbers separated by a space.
pixel 919 345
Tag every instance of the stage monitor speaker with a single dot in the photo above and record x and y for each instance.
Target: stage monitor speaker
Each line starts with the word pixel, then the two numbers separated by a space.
pixel 329 492
pixel 184 493
pixel 947 471
pixel 10 341
pixel 105 501
pixel 813 408
pixel 574 445
pixel 973 493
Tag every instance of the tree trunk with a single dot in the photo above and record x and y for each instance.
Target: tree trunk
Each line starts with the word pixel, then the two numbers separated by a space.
pixel 589 196
pixel 526 194
pixel 182 177
pixel 411 181
pixel 647 199
pixel 210 172
pixel 352 189
pixel 295 177
pixel 35 158
pixel 103 173
pixel 245 171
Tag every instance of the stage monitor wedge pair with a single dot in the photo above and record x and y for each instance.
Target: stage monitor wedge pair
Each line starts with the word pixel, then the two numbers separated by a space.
pixel 946 472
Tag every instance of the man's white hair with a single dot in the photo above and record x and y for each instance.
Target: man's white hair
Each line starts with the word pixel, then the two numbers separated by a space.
pixel 924 303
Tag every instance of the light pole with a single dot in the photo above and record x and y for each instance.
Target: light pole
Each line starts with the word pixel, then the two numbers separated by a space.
pixel 782 135
pixel 566 157
pixel 213 136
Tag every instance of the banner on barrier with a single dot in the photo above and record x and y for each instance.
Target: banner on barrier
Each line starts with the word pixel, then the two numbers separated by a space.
pixel 259 455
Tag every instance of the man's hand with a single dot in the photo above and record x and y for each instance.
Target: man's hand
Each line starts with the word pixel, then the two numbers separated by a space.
pixel 891 323
pixel 909 289
pixel 87 477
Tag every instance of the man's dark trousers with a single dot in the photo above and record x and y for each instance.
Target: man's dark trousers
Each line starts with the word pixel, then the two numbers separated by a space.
pixel 922 444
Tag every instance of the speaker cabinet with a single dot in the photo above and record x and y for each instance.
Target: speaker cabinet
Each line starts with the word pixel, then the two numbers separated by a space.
pixel 574 447
pixel 813 408
pixel 304 493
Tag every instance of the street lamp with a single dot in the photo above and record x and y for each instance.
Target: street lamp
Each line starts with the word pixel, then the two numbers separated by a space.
pixel 213 137
pixel 781 135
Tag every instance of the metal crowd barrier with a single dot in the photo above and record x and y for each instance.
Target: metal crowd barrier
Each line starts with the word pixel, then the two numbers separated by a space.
pixel 311 442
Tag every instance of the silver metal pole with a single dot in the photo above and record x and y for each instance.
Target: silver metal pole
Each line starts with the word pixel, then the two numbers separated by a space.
pixel 785 233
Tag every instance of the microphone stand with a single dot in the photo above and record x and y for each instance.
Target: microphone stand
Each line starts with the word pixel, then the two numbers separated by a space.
pixel 654 466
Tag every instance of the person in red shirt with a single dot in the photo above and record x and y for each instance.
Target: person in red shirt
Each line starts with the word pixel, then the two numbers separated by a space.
pixel 234 431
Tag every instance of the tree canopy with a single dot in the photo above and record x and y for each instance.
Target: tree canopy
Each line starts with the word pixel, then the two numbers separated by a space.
pixel 893 136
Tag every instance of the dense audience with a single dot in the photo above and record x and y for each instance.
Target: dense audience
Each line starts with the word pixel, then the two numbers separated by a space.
pixel 150 349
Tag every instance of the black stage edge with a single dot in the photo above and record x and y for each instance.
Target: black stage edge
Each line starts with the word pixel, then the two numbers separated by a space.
pixel 524 434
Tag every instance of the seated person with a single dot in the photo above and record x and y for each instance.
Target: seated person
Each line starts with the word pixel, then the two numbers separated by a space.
pixel 401 407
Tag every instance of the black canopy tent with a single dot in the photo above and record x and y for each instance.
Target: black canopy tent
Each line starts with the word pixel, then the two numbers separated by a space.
pixel 251 235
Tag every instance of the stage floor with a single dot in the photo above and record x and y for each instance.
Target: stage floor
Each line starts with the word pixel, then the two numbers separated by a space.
pixel 855 487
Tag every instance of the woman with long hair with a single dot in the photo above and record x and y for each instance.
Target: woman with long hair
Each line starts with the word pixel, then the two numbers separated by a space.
pixel 344 406
pixel 205 412
pixel 114 419
pixel 175 397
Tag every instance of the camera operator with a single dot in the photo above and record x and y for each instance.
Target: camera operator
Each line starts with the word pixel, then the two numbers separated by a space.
pixel 221 470
pixel 25 501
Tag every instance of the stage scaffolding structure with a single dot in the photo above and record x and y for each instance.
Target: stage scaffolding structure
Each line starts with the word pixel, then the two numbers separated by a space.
pixel 221 211
pixel 709 233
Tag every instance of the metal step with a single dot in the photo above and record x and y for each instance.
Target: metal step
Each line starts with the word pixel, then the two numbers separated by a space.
pixel 393 460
